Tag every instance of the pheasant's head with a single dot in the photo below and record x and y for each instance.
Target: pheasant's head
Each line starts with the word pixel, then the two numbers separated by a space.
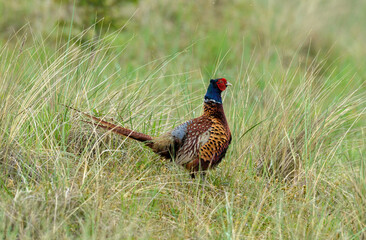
pixel 215 88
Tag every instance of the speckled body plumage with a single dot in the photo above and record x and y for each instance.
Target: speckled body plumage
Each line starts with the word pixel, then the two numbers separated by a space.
pixel 198 144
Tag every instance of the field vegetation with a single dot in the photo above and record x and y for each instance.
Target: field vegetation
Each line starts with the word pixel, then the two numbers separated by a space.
pixel 296 168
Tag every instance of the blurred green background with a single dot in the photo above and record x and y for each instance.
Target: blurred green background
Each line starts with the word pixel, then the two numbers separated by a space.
pixel 283 30
pixel 294 170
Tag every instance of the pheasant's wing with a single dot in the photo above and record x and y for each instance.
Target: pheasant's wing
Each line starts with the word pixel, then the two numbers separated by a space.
pixel 215 148
pixel 193 135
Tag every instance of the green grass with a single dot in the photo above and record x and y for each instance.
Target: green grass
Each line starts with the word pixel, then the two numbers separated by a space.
pixel 297 112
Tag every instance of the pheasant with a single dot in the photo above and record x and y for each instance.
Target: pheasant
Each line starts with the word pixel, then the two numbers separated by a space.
pixel 198 144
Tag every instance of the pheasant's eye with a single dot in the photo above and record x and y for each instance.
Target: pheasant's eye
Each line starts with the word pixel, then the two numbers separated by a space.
pixel 221 84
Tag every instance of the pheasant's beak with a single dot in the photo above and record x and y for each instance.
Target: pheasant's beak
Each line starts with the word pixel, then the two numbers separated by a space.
pixel 228 84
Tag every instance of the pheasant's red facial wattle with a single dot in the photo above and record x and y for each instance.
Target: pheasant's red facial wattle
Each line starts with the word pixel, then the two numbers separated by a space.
pixel 221 84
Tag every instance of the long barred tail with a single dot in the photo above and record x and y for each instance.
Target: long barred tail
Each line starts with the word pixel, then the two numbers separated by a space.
pixel 114 128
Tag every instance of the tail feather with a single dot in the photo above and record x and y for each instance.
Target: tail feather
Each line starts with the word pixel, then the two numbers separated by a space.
pixel 115 128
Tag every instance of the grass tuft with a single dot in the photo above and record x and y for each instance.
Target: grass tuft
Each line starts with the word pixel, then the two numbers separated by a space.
pixel 295 168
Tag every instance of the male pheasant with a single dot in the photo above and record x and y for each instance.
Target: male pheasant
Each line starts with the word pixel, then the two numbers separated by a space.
pixel 198 144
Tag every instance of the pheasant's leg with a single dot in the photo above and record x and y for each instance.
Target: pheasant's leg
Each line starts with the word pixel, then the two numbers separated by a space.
pixel 193 166
pixel 203 176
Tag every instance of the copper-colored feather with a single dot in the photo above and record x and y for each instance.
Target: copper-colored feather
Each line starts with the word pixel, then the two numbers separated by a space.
pixel 114 128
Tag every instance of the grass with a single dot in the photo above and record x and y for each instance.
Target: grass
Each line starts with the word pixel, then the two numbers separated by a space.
pixel 296 165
